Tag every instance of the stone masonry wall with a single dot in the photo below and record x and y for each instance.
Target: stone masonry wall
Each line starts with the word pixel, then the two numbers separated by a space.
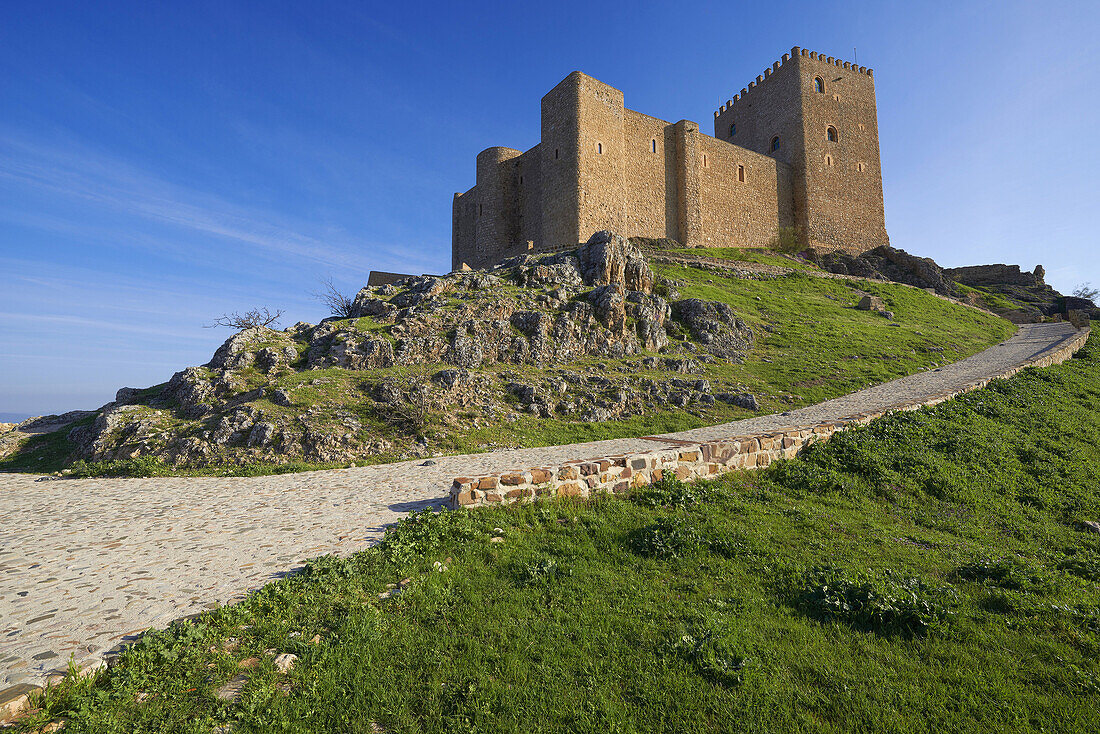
pixel 649 176
pixel 602 166
pixel 837 184
pixel 687 461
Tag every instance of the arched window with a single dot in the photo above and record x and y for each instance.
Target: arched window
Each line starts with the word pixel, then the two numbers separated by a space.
pixel 828 160
pixel 733 129
pixel 775 144
pixel 819 85
pixel 830 134
pixel 599 148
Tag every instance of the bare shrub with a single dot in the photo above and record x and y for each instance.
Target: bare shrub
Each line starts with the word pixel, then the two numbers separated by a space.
pixel 338 304
pixel 1085 290
pixel 257 317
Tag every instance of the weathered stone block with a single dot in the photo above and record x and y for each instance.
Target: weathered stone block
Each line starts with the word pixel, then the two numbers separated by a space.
pixel 511 480
pixel 569 472
pixel 689 456
pixel 570 489
pixel 540 476
pixel 487 483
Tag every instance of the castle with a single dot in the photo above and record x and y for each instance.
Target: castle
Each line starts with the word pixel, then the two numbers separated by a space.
pixel 797 148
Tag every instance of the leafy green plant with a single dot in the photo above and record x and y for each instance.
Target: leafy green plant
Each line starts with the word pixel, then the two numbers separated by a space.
pixel 671 492
pixel 883 604
pixel 669 537
pixel 141 466
pixel 1008 572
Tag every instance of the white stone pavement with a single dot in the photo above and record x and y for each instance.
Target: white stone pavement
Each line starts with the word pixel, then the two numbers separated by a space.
pixel 85 562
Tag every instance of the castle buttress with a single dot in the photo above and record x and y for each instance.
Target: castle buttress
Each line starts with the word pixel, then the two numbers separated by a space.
pixel 797 147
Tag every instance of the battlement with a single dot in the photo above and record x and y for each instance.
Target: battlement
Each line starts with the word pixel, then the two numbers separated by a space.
pixel 802 155
pixel 796 51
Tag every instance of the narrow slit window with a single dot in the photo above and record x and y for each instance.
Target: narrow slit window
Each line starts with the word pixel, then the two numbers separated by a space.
pixel 741 174
pixel 653 143
pixel 599 148
pixel 828 160
pixel 556 151
pixel 860 166
pixel 704 160
pixel 775 144
pixel 480 209
pixel 733 129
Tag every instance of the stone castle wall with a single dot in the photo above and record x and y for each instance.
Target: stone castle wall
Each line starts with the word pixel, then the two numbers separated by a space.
pixel 837 183
pixel 602 166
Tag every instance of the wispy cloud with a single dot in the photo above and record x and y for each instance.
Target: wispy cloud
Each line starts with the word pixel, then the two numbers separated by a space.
pixel 101 324
pixel 73 171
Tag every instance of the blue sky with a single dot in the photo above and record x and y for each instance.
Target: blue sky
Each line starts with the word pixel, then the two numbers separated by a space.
pixel 164 163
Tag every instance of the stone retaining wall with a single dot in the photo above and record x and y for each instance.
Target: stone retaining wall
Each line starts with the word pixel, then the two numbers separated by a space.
pixel 690 460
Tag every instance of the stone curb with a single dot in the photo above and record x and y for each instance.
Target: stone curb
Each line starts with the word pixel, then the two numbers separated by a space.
pixel 620 473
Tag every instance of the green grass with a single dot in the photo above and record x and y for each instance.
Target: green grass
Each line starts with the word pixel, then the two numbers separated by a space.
pixel 986 299
pixel 821 347
pixel 925 573
pixel 811 345
pixel 747 254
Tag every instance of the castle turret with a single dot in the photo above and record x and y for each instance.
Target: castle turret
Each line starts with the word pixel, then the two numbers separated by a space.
pixel 817 113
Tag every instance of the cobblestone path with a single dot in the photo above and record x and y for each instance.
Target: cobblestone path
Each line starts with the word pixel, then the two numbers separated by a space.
pixel 85 562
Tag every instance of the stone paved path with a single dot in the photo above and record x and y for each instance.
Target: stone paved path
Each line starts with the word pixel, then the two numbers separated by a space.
pixel 84 562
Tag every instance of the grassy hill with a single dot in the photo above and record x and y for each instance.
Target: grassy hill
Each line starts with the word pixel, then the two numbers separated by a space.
pixel 930 572
pixel 367 389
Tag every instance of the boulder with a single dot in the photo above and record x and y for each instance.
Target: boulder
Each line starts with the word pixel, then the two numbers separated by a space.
pixel 715 326
pixel 871 303
pixel 608 258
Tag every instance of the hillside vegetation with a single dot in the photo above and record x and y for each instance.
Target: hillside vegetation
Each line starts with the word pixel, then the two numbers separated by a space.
pixel 933 571
pixel 597 343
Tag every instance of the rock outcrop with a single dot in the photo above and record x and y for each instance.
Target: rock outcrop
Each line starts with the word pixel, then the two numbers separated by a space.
pixel 538 315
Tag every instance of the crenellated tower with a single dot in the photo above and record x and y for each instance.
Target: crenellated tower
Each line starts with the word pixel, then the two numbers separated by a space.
pixel 797 147
pixel 817 114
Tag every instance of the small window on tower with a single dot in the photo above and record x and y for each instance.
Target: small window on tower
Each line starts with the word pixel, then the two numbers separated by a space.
pixel 480 209
pixel 861 166
pixel 556 151
pixel 775 144
pixel 741 174
pixel 862 126
pixel 521 180
pixel 653 145
pixel 704 160
pixel 819 85
pixel 599 148
pixel 828 160
pixel 830 134
pixel 733 129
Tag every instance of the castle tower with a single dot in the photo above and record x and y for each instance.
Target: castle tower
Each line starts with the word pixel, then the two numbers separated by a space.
pixel 817 114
